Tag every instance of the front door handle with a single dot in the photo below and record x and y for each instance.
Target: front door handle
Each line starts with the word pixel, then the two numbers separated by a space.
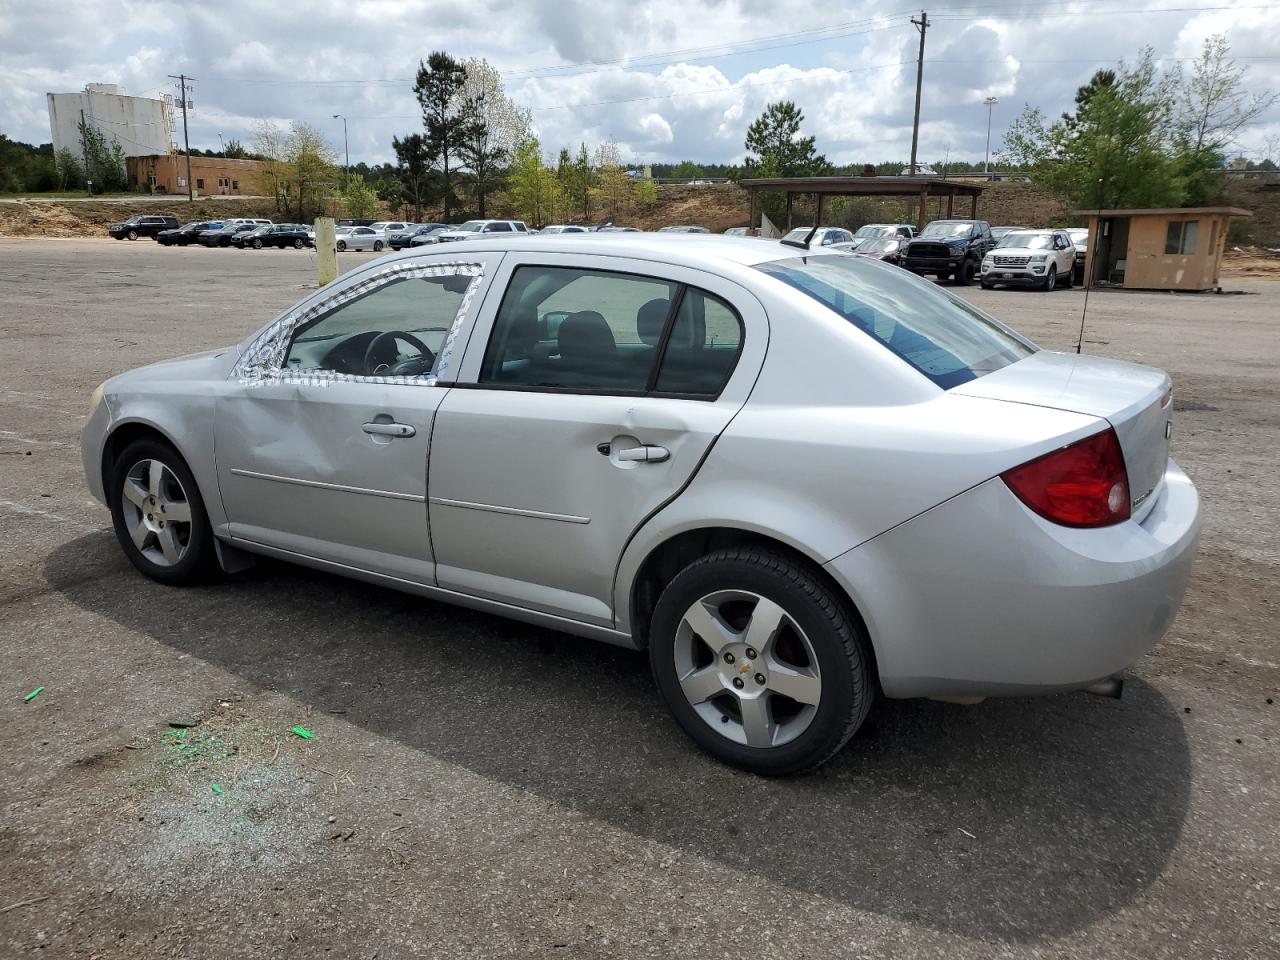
pixel 647 454
pixel 389 429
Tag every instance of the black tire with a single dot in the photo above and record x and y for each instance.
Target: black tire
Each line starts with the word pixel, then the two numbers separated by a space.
pixel 838 642
pixel 964 276
pixel 257 243
pixel 1050 279
pixel 199 561
pixel 377 246
pixel 985 284
pixel 133 234
pixel 298 244
pixel 1068 280
pixel 341 245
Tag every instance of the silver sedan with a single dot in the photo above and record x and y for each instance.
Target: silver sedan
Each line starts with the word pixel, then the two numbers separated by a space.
pixel 797 480
pixel 359 238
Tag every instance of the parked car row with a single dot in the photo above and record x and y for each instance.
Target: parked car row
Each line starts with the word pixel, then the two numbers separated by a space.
pixel 962 250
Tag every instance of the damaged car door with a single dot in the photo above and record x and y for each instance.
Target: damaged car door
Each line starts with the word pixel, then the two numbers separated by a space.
pixel 321 446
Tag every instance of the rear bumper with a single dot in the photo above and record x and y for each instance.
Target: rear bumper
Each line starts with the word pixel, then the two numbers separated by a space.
pixel 981 597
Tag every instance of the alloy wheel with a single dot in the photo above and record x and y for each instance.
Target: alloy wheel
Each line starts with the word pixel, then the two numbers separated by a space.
pixel 156 512
pixel 747 668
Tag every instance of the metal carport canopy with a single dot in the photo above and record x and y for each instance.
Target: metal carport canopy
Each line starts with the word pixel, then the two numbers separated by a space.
pixel 822 187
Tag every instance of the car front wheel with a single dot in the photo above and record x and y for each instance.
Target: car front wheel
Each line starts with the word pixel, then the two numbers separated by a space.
pixel 158 514
pixel 298 244
pixel 964 275
pixel 257 244
pixel 759 662
pixel 377 246
pixel 1050 280
pixel 133 234
pixel 342 245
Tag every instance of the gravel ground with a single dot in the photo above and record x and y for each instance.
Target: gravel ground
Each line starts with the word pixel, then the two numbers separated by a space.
pixel 480 788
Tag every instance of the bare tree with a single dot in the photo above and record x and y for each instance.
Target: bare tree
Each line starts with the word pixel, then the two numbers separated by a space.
pixel 1216 105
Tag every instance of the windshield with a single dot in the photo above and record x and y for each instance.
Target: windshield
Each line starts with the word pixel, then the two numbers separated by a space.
pixel 873 230
pixel 136 219
pixel 1032 241
pixel 943 337
pixel 472 226
pixel 947 228
pixel 888 245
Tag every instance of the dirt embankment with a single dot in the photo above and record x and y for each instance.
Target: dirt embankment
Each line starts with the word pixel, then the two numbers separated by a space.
pixel 89 218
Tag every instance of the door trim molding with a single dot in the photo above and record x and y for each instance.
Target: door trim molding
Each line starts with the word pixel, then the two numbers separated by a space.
pixel 512 511
pixel 344 488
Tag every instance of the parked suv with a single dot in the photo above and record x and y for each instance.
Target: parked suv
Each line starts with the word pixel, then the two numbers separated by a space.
pixel 1030 258
pixel 473 228
pixel 140 226
pixel 950 249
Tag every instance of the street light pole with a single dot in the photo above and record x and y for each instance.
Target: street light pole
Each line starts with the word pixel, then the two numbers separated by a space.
pixel 986 160
pixel 346 150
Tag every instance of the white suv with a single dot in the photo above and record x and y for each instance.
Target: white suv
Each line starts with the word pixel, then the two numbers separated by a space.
pixel 474 228
pixel 1030 258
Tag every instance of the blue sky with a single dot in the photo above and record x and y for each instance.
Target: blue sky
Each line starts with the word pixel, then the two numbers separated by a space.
pixel 668 80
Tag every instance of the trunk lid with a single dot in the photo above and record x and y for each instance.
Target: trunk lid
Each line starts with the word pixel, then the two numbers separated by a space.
pixel 1135 400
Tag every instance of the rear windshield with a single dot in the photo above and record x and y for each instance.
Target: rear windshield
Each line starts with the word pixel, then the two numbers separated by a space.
pixel 945 338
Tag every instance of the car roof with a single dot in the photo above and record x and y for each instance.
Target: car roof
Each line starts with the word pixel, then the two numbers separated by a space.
pixel 687 249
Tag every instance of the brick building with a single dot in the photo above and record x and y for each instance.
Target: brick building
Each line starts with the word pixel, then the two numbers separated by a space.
pixel 212 176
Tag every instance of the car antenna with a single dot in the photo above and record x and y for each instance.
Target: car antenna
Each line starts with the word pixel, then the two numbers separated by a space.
pixel 1097 229
pixel 802 244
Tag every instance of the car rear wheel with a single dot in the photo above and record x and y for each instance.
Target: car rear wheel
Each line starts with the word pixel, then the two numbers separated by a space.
pixel 759 662
pixel 1050 279
pixel 342 245
pixel 377 246
pixel 133 234
pixel 158 514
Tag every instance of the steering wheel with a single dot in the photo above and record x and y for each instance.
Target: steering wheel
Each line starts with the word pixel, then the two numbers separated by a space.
pixel 377 364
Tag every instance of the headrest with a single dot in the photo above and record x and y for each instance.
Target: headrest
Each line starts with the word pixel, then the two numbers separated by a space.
pixel 585 336
pixel 650 320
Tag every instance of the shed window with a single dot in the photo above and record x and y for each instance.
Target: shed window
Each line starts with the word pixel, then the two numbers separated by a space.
pixel 1181 238
pixel 199 184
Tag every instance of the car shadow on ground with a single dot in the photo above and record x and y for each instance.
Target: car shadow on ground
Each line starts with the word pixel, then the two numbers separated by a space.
pixel 1019 820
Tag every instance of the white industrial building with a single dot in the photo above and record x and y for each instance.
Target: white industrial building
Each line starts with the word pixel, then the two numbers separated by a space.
pixel 142 126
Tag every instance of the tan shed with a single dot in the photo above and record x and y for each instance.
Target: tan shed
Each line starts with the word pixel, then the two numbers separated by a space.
pixel 1174 249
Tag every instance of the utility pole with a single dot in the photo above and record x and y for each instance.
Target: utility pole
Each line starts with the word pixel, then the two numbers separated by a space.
pixel 922 25
pixel 986 160
pixel 346 171
pixel 186 141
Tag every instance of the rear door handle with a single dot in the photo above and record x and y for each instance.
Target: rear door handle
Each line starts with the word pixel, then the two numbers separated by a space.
pixel 647 453
pixel 389 429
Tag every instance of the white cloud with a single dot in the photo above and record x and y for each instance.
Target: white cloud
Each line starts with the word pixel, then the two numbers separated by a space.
pixel 856 87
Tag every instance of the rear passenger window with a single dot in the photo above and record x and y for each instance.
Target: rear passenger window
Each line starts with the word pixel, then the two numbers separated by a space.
pixel 703 347
pixel 604 332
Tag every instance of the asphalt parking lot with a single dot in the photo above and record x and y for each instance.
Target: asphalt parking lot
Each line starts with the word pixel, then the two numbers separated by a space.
pixel 480 788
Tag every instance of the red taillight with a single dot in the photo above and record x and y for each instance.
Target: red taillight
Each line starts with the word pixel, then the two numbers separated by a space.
pixel 1081 485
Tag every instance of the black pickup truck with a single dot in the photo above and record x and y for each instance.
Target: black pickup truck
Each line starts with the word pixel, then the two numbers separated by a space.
pixel 141 226
pixel 950 249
